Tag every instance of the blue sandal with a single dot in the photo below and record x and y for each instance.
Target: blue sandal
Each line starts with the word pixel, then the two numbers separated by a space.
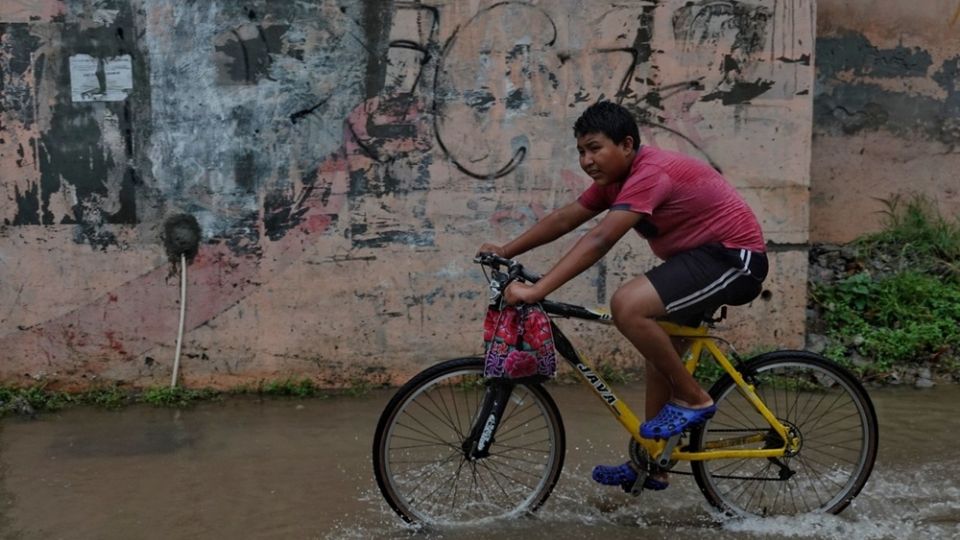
pixel 625 476
pixel 673 419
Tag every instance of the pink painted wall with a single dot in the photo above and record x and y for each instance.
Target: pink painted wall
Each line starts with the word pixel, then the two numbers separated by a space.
pixel 345 160
pixel 887 112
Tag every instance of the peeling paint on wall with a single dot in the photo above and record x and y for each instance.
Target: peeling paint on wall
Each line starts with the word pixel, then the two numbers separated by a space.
pixel 886 114
pixel 30 10
pixel 864 103
pixel 84 173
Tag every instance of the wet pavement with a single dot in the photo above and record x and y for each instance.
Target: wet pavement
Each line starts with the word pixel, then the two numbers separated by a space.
pixel 279 468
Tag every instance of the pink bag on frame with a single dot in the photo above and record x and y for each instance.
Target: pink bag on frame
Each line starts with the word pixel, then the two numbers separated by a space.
pixel 519 343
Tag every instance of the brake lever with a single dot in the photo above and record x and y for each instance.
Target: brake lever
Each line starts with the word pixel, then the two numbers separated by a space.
pixel 495 287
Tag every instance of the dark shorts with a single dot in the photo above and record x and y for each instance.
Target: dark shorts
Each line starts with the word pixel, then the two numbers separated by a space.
pixel 694 283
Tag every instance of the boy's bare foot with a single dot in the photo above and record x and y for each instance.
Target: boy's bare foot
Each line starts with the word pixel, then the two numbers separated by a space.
pixel 702 404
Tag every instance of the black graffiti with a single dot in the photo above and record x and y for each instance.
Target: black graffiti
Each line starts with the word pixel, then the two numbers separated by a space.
pixel 648 107
pixel 623 89
pixel 413 46
pixel 740 92
pixel 250 59
pixel 437 109
pixel 698 25
pixel 301 114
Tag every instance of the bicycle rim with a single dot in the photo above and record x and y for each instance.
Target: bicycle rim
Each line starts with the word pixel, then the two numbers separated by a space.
pixel 823 405
pixel 420 464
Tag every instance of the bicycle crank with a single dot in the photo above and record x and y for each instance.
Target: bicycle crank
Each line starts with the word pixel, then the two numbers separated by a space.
pixel 645 466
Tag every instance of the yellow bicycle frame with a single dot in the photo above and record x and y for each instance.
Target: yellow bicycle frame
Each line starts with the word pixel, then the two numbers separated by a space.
pixel 700 341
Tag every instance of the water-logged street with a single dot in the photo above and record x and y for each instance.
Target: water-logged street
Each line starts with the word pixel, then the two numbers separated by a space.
pixel 278 468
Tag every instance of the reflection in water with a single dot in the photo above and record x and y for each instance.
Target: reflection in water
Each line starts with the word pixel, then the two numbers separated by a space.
pixel 301 469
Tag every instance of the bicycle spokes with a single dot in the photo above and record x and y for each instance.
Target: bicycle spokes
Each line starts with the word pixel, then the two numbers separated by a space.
pixel 440 457
pixel 829 448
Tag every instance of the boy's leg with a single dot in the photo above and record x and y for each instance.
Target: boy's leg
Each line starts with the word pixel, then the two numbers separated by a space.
pixel 657 387
pixel 657 395
pixel 635 307
pixel 657 391
pixel 693 283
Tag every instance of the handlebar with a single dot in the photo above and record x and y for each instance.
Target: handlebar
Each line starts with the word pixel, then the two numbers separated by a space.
pixel 514 268
pixel 500 279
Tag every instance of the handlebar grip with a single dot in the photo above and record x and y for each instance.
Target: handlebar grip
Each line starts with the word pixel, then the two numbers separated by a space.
pixel 530 276
pixel 515 269
pixel 493 259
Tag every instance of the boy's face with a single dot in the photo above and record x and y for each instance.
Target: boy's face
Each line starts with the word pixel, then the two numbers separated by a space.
pixel 604 160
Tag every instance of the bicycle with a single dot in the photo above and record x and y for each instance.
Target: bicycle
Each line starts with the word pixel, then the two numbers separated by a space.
pixel 794 432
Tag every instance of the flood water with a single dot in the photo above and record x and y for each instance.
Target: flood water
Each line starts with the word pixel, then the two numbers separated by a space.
pixel 278 468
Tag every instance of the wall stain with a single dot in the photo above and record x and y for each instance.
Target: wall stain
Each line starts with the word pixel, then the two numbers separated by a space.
pixel 247 52
pixel 481 99
pixel 382 238
pixel 90 170
pixel 851 51
pixel 28 206
pixel 244 172
pixel 710 23
pixel 376 22
pixel 803 60
pixel 282 212
pixel 861 105
pixel 740 92
pixel 17 46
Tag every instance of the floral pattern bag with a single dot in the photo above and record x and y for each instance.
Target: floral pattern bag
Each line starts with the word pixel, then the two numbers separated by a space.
pixel 519 343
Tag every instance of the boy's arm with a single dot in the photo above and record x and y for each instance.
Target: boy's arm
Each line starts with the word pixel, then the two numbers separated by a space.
pixel 587 251
pixel 556 224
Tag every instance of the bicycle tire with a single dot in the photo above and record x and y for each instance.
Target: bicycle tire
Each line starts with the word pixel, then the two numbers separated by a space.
pixel 431 416
pixel 830 411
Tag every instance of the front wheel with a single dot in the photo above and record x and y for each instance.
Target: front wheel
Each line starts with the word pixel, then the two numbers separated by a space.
pixel 419 458
pixel 832 423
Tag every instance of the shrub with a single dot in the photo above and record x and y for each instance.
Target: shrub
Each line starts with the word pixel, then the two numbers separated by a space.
pixel 908 309
pixel 907 317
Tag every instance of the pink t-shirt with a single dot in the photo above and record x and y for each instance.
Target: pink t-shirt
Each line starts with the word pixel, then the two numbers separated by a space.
pixel 687 203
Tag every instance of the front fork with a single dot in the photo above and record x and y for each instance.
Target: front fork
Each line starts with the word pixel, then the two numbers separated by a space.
pixel 495 399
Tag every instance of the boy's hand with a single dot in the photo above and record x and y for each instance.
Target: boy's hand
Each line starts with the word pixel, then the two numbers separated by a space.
pixel 492 248
pixel 522 293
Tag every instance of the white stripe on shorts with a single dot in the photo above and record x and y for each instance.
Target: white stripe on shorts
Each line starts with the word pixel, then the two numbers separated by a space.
pixel 718 285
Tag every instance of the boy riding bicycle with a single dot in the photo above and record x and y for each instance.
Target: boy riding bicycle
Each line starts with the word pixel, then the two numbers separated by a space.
pixel 710 242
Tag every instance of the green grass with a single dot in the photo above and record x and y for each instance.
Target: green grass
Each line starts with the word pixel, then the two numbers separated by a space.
pixel 358 387
pixel 32 399
pixel 609 373
pixel 29 400
pixel 179 397
pixel 614 375
pixel 38 398
pixel 292 388
pixel 909 315
pixel 915 233
pixel 708 371
pixel 107 397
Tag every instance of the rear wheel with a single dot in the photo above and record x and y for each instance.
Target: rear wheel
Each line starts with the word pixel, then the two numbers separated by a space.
pixel 827 412
pixel 421 466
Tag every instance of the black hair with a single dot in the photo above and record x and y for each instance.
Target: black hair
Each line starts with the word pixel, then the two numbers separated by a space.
pixel 608 118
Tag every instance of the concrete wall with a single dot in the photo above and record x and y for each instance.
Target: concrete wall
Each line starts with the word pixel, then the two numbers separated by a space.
pixel 345 159
pixel 886 111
